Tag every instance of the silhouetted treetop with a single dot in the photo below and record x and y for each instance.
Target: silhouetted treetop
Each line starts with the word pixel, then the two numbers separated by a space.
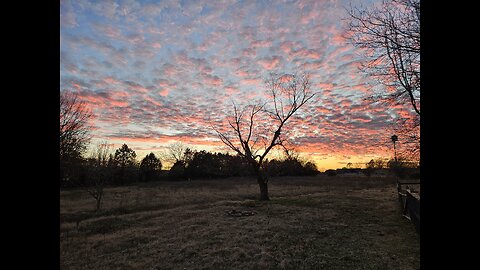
pixel 150 162
pixel 125 157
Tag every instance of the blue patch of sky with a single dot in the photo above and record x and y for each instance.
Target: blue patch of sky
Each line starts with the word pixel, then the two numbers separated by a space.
pixel 197 38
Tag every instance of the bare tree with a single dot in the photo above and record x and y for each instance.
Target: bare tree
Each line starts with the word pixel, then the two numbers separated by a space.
pixel 389 34
pixel 74 125
pixel 175 152
pixel 99 172
pixel 74 132
pixel 256 129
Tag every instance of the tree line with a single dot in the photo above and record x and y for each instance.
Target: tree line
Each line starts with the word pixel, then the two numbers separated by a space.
pixel 104 167
pixel 402 168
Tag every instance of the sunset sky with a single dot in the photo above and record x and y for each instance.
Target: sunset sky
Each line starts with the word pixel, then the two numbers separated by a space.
pixel 157 72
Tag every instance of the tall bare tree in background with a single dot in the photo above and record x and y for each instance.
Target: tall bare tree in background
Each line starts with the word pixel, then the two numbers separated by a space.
pixel 99 172
pixel 256 129
pixel 74 125
pixel 175 152
pixel 74 131
pixel 390 36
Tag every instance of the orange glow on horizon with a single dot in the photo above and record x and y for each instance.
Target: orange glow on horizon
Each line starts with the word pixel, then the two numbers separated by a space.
pixel 323 161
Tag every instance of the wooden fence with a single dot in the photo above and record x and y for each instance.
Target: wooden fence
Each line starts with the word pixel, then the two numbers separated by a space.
pixel 410 202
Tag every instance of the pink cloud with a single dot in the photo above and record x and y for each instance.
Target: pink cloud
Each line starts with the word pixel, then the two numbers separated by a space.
pixel 251 52
pixel 170 70
pixel 269 63
pixel 156 45
pixel 213 80
pixel 166 139
pixel 252 81
pixel 119 103
pixel 289 46
pixel 76 86
pixel 111 80
pixel 338 40
pixel 251 95
pixel 261 44
pixel 163 83
pixel 404 113
pixel 326 86
pixel 364 88
pixel 312 54
pixel 139 88
pixel 285 78
pixel 323 110
pixel 163 93
pixel 231 90
pixel 286 48
pixel 242 73
pixel 149 99
pixel 345 103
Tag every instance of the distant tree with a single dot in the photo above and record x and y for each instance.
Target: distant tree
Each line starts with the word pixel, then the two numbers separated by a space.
pixel 402 167
pixel 74 132
pixel 125 162
pixel 374 165
pixel 99 173
pixel 188 155
pixel 175 152
pixel 369 168
pixel 204 164
pixel 288 94
pixel 330 172
pixel 310 168
pixel 380 163
pixel 290 166
pixel 149 166
pixel 177 171
pixel 124 156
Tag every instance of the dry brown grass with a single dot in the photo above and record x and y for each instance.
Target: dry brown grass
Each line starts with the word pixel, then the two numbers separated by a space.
pixel 310 223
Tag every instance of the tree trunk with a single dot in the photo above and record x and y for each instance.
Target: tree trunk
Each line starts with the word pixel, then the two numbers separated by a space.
pixel 263 184
pixel 99 201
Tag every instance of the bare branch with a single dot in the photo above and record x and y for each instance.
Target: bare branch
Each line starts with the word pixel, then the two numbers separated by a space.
pixel 288 94
pixel 74 125
pixel 391 35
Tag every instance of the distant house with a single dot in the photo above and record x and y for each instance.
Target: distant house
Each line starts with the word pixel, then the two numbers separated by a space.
pixel 385 172
pixel 356 172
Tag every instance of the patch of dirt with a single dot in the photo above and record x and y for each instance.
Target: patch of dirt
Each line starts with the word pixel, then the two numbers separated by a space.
pixel 239 213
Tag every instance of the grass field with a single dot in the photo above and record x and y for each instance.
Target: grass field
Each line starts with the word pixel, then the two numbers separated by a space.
pixel 310 223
